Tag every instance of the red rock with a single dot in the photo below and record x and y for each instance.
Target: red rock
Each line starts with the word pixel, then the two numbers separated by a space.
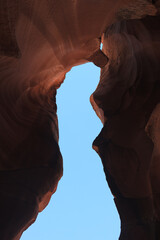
pixel 128 94
pixel 40 41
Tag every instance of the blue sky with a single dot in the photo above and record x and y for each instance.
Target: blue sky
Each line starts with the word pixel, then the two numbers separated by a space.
pixel 83 207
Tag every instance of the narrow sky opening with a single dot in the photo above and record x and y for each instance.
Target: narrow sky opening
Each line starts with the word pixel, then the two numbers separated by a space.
pixel 82 207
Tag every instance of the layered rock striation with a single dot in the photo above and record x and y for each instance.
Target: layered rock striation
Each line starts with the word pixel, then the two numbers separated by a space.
pixel 40 41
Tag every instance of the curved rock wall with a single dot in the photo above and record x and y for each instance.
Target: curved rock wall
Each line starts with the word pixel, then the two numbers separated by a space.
pixel 127 95
pixel 39 42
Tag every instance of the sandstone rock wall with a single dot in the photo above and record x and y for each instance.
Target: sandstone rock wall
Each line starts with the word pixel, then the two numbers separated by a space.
pixel 39 42
pixel 128 94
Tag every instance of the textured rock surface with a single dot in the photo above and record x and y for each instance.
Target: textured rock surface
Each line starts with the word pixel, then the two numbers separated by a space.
pixel 39 42
pixel 127 94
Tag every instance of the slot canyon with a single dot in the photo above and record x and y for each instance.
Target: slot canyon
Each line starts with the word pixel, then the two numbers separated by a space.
pixel 40 41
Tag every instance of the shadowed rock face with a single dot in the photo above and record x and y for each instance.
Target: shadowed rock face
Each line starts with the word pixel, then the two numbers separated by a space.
pixel 39 42
pixel 128 95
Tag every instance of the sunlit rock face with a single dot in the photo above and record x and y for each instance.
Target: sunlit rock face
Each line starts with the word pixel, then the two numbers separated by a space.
pixel 39 42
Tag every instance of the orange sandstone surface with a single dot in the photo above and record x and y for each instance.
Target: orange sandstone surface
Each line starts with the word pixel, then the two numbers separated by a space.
pixel 40 41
